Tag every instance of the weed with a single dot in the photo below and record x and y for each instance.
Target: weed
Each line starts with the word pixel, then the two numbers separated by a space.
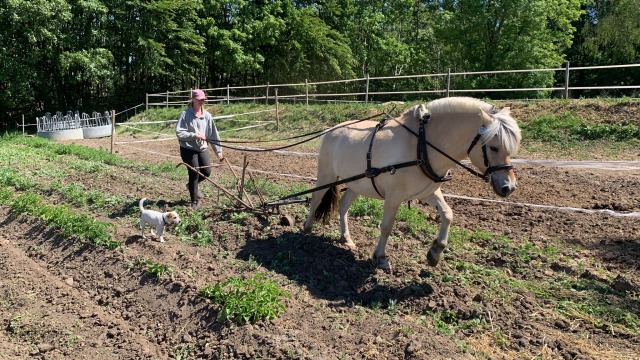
pixel 157 270
pixel 69 339
pixel 246 300
pixel 183 351
pixel 501 339
pixel 17 325
pixel 250 265
pixel 193 229
pixel 443 321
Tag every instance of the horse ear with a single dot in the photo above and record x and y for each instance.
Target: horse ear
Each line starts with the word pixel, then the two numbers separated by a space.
pixel 486 118
pixel 420 111
pixel 506 110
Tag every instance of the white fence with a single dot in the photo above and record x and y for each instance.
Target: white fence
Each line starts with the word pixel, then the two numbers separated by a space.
pixel 441 85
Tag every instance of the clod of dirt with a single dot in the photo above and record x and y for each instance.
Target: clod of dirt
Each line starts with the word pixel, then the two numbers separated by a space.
pixel 621 283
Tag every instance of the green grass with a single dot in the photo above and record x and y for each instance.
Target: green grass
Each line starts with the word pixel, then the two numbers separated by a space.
pixel 246 300
pixel 81 226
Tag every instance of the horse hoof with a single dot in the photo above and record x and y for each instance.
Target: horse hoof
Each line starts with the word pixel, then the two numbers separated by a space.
pixel 432 261
pixel 349 243
pixel 382 263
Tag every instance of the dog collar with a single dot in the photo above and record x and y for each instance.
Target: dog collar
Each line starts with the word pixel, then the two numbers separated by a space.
pixel 164 220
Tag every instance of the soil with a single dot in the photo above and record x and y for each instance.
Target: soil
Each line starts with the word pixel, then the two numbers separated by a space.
pixel 63 300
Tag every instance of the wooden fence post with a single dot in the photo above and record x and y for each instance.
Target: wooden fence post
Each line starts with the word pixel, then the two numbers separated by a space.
pixel 277 111
pixel 146 101
pixel 566 81
pixel 167 100
pixel 227 94
pixel 366 91
pixel 22 124
pixel 113 129
pixel 266 96
pixel 448 80
pixel 306 91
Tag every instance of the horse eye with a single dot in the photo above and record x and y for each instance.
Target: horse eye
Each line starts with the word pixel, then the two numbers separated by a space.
pixel 493 148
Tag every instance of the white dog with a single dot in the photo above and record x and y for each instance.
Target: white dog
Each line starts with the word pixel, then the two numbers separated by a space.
pixel 157 219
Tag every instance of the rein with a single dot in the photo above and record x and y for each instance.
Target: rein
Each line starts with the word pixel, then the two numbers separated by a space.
pixel 316 133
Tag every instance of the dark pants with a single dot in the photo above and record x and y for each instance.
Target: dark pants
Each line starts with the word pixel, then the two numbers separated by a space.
pixel 200 161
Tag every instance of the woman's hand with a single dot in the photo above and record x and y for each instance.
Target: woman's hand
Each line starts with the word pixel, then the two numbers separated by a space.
pixel 201 137
pixel 220 157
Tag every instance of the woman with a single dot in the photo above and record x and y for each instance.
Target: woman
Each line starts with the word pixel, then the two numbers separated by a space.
pixel 194 130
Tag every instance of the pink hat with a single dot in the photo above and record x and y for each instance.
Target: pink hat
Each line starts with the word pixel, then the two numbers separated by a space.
pixel 198 94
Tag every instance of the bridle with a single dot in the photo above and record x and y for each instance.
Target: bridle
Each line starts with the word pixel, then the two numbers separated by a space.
pixel 490 169
pixel 423 159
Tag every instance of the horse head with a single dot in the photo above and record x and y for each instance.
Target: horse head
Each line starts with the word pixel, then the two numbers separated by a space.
pixel 499 137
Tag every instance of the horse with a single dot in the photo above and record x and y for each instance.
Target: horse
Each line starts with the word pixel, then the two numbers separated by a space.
pixel 380 157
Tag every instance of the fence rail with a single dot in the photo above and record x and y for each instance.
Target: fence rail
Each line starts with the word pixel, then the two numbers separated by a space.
pixel 364 89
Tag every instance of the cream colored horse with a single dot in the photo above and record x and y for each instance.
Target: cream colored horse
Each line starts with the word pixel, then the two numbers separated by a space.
pixel 453 125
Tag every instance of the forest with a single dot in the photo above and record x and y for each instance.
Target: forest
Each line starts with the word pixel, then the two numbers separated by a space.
pixel 92 55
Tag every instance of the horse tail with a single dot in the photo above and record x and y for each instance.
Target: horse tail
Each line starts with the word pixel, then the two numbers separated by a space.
pixel 328 205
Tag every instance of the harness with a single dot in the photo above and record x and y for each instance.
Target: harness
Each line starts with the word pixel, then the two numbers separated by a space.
pixel 422 160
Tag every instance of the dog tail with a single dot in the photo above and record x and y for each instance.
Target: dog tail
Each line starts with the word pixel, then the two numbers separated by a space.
pixel 141 204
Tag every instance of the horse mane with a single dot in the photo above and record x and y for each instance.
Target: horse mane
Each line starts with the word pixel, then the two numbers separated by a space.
pixel 504 126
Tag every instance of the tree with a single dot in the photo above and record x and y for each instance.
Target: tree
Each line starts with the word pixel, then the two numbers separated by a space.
pixel 506 34
pixel 608 34
pixel 30 40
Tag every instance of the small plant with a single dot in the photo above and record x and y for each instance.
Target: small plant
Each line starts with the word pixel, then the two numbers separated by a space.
pixel 70 339
pixel 193 229
pixel 157 270
pixel 16 325
pixel 183 351
pixel 444 322
pixel 249 265
pixel 246 300
pixel 81 226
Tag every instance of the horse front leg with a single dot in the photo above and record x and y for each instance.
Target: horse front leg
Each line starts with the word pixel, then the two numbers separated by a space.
pixel 388 218
pixel 446 215
pixel 343 207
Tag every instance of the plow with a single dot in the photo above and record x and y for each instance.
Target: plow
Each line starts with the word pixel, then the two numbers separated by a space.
pixel 241 200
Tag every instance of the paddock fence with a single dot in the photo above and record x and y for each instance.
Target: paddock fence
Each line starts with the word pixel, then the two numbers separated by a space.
pixel 407 87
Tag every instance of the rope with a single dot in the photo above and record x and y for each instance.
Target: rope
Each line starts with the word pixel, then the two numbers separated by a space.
pixel 316 134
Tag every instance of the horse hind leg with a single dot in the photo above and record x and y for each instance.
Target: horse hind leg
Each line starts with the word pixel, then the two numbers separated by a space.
pixel 343 208
pixel 434 255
